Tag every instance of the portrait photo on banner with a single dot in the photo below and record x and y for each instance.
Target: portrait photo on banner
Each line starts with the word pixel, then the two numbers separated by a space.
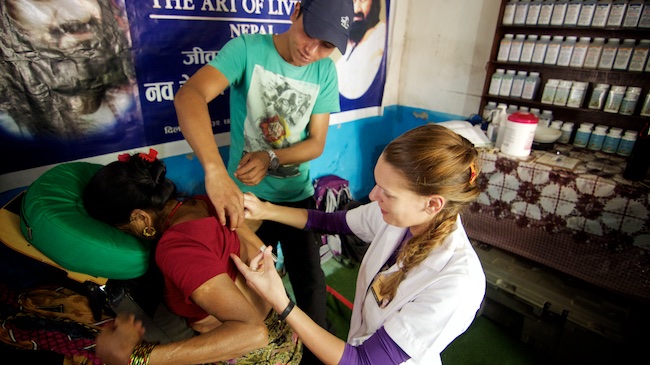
pixel 67 81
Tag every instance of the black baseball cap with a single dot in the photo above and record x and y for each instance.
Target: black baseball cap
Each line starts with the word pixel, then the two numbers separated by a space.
pixel 328 20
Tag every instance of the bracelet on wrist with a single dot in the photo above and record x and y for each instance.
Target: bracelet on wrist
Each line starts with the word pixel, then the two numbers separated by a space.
pixel 286 311
pixel 141 353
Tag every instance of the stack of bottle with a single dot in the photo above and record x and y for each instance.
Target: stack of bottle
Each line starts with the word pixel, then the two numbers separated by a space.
pixel 571 51
pixel 597 138
pixel 578 13
pixel 514 84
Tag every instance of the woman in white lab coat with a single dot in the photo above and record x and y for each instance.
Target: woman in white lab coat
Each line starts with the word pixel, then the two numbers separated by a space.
pixel 420 283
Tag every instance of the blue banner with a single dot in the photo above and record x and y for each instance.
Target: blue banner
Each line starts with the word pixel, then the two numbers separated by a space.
pixel 101 78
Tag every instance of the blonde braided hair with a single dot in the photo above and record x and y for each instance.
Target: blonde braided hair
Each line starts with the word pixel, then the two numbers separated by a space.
pixel 433 161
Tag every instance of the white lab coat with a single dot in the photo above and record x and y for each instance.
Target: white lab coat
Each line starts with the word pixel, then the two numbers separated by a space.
pixel 434 304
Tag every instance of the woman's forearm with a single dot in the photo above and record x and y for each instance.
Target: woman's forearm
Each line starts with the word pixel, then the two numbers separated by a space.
pixel 294 217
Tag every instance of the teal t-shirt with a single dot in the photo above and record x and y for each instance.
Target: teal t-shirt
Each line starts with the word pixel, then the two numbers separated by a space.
pixel 271 102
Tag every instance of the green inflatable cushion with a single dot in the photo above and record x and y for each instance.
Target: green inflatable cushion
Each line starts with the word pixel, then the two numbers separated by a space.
pixel 55 221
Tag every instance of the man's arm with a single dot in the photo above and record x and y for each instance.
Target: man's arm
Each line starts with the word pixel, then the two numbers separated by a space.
pixel 254 166
pixel 191 103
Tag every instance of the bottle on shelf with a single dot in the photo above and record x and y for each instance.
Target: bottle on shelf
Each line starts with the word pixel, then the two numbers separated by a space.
pixel 509 13
pixel 609 54
pixel 567 130
pixel 638 162
pixel 601 14
pixel 572 13
pixel 598 96
pixel 495 81
pixel 580 52
pixel 592 58
pixel 553 50
pixel 628 104
pixel 617 13
pixel 597 138
pixel 644 20
pixel 614 99
pixel 533 12
pixel 627 143
pixel 504 47
pixel 506 83
pixel 546 12
pixel 521 11
pixel 611 140
pixel 623 55
pixel 530 86
pixel 488 110
pixel 582 135
pixel 562 93
pixel 566 51
pixel 550 89
pixel 539 52
pixel 528 48
pixel 559 12
pixel 545 118
pixel 587 13
pixel 515 48
pixel 556 124
pixel 518 84
pixel 577 94
pixel 633 14
pixel 640 55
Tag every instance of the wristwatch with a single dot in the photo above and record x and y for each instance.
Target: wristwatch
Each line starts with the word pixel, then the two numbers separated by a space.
pixel 274 162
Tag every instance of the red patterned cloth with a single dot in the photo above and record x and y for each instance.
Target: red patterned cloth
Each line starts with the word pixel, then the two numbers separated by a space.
pixel 588 221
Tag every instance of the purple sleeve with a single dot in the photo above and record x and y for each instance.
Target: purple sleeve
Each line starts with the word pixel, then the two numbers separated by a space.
pixel 378 349
pixel 333 223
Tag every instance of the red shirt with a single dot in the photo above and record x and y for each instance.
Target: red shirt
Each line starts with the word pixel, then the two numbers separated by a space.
pixel 191 253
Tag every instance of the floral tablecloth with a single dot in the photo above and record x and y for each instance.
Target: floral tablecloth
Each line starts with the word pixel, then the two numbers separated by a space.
pixel 583 219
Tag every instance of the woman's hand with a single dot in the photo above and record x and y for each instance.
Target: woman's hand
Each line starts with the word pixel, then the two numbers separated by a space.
pixel 262 277
pixel 254 208
pixel 116 341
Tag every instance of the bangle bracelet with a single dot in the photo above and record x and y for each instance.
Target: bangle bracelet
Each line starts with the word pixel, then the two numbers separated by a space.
pixel 141 353
pixel 286 311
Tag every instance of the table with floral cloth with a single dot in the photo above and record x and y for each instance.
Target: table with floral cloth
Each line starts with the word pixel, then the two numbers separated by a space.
pixel 584 220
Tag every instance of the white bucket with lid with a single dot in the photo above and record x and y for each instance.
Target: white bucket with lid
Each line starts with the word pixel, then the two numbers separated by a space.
pixel 518 134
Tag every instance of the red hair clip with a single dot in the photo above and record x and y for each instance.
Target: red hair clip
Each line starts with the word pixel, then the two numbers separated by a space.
pixel 125 157
pixel 150 157
pixel 472 174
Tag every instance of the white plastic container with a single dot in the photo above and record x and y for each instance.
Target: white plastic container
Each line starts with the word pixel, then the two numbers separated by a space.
pixel 640 55
pixel 545 118
pixel 550 88
pixel 597 138
pixel 519 134
pixel 580 52
pixel 495 81
pixel 617 13
pixel 504 47
pixel 518 84
pixel 528 48
pixel 545 12
pixel 633 13
pixel 582 135
pixel 645 109
pixel 602 13
pixel 541 46
pixel 577 94
pixel 626 144
pixel 612 139
pixel 644 21
pixel 598 96
pixel 614 99
pixel 623 55
pixel 572 13
pixel 592 58
pixel 521 11
pixel 530 86
pixel 515 48
pixel 628 104
pixel 509 12
pixel 559 12
pixel 506 83
pixel 567 130
pixel 566 51
pixel 562 93
pixel 609 54
pixel 553 50
pixel 533 12
pixel 587 13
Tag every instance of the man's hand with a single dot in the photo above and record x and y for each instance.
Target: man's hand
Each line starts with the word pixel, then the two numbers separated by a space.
pixel 117 339
pixel 253 167
pixel 227 199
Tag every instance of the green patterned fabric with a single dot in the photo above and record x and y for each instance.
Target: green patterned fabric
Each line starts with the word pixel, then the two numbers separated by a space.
pixel 55 221
pixel 284 346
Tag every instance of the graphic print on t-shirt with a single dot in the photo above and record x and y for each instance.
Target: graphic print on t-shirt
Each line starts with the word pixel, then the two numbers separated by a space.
pixel 277 113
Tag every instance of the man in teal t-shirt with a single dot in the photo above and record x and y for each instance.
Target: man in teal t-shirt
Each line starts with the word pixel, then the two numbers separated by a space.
pixel 283 88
